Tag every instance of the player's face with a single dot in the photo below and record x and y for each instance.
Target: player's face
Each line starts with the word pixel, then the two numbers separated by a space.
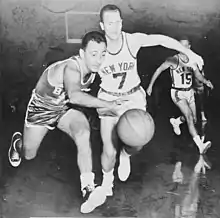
pixel 112 24
pixel 94 55
pixel 185 43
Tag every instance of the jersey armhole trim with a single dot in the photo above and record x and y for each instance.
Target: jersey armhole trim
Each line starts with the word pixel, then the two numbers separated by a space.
pixel 178 61
pixel 129 48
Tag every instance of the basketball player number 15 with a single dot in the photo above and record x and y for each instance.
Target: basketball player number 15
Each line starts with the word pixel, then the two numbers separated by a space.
pixel 122 76
pixel 186 78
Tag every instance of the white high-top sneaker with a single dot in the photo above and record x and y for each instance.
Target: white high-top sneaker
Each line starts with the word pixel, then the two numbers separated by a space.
pixel 176 126
pixel 124 168
pixel 94 197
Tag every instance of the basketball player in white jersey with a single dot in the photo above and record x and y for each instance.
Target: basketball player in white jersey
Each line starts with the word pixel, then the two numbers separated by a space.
pixel 120 80
pixel 62 82
pixel 182 92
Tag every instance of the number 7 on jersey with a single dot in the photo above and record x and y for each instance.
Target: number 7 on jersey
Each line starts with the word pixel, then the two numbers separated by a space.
pixel 122 76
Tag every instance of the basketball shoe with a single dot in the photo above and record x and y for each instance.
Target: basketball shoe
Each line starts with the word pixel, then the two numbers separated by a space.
pixel 204 147
pixel 93 198
pixel 14 155
pixel 176 126
pixel 124 168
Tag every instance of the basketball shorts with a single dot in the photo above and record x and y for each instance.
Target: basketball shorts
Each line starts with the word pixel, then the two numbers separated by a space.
pixel 136 100
pixel 178 95
pixel 42 112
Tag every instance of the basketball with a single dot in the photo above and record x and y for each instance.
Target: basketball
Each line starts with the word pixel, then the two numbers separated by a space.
pixel 135 127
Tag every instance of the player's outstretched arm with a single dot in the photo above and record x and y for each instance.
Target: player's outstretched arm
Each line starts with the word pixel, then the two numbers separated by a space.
pixel 72 84
pixel 156 74
pixel 168 42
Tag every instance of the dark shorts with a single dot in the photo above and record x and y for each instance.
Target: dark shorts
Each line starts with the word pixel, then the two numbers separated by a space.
pixel 43 112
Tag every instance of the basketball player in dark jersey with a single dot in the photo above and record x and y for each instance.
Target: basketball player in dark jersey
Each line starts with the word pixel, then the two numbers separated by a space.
pixel 53 104
pixel 200 96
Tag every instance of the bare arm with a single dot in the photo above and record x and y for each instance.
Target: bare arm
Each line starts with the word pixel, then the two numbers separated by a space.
pixel 145 40
pixel 156 74
pixel 72 84
pixel 199 76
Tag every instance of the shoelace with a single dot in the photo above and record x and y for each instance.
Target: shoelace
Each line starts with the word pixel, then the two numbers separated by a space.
pixel 88 189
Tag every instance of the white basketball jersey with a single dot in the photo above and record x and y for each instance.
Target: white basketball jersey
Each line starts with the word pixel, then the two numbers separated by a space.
pixel 181 75
pixel 119 71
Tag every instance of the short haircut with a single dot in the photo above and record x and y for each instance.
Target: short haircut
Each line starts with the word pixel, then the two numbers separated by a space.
pixel 184 38
pixel 109 7
pixel 95 36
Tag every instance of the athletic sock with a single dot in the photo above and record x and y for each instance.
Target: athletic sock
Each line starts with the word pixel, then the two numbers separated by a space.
pixel 178 121
pixel 108 178
pixel 198 141
pixel 87 179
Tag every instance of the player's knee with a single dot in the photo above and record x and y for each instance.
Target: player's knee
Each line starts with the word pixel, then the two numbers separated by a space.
pixel 82 134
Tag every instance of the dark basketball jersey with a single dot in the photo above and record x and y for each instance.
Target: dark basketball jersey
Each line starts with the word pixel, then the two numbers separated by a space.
pixel 51 83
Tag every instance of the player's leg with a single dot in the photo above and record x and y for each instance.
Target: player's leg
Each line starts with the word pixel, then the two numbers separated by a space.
pixel 108 157
pixel 109 140
pixel 76 125
pixel 27 145
pixel 187 112
pixel 176 95
pixel 200 98
pixel 192 104
pixel 137 100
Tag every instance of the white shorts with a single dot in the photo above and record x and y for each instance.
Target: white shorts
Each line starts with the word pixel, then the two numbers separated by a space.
pixel 136 100
pixel 178 95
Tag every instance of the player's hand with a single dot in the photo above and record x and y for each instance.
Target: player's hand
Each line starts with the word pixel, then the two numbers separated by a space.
pixel 209 84
pixel 107 112
pixel 201 165
pixel 149 90
pixel 112 108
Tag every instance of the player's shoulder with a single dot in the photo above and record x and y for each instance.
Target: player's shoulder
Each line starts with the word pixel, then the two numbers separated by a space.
pixel 72 63
pixel 173 61
pixel 173 58
pixel 134 41
pixel 71 68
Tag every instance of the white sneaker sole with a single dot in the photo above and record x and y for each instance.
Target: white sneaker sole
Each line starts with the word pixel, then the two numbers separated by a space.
pixel 13 163
pixel 176 128
pixel 96 199
pixel 124 171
